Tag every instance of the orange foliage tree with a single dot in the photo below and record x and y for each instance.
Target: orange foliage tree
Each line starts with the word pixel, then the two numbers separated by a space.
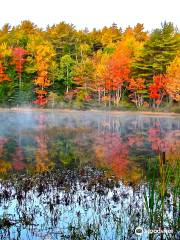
pixel 117 72
pixel 44 56
pixel 3 75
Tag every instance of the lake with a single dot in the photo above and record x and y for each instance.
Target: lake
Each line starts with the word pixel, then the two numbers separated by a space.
pixel 89 175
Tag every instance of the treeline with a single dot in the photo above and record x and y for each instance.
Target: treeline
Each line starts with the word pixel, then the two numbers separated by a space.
pixel 104 67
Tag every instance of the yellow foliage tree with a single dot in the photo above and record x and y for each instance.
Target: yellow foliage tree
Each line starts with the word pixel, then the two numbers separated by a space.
pixel 173 86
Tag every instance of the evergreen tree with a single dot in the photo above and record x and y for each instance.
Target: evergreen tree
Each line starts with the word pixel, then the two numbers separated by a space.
pixel 158 52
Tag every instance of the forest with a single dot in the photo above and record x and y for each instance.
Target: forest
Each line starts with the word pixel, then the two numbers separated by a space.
pixel 61 66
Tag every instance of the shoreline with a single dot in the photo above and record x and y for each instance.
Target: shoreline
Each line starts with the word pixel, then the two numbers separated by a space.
pixel 66 110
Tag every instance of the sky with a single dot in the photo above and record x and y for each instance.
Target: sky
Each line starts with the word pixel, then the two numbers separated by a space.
pixel 91 13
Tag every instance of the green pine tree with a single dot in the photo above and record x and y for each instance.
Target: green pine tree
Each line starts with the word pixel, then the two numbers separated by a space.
pixel 158 52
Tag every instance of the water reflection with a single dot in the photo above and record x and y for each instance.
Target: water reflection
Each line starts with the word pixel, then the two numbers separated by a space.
pixel 88 175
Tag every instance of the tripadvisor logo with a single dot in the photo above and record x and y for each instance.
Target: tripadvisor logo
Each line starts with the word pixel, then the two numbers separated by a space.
pixel 139 231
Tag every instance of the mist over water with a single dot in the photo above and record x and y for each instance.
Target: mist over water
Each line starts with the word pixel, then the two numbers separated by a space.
pixel 30 119
pixel 66 175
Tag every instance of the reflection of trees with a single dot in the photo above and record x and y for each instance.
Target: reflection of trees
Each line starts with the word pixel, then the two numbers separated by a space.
pixel 3 140
pixel 166 144
pixel 112 152
pixel 70 147
pixel 67 200
pixel 43 162
pixel 18 158
pixel 4 165
pixel 172 139
pixel 136 140
pixel 110 142
pixel 41 155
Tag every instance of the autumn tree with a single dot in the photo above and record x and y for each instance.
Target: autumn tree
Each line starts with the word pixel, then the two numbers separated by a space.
pixel 63 37
pixel 138 90
pixel 5 78
pixel 173 86
pixel 105 64
pixel 110 35
pixel 157 90
pixel 117 72
pixel 18 59
pixel 83 76
pixel 5 33
pixel 32 47
pixel 28 27
pixel 44 56
pixel 139 33
pixel 3 75
pixel 5 54
pixel 100 61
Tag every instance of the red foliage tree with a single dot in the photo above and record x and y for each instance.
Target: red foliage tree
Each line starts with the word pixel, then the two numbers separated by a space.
pixel 158 89
pixel 19 60
pixel 41 100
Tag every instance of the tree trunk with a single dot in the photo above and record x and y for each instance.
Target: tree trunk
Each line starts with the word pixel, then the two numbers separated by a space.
pixel 99 96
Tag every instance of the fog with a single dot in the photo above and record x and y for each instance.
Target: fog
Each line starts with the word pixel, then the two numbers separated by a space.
pixel 12 122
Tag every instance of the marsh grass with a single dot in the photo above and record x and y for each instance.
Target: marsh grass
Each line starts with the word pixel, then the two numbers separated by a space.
pixel 162 192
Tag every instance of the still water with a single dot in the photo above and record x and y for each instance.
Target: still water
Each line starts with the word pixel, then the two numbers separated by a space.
pixel 89 175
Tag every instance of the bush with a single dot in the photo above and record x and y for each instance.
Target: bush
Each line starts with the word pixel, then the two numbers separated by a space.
pixel 176 109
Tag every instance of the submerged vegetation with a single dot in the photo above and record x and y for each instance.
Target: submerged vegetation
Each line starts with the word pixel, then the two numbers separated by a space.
pixel 84 175
pixel 86 204
pixel 63 67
